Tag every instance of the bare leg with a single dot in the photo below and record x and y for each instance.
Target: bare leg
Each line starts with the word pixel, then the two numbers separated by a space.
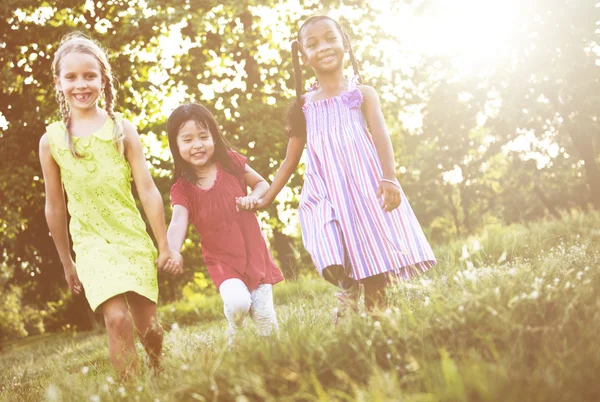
pixel 148 327
pixel 375 292
pixel 121 346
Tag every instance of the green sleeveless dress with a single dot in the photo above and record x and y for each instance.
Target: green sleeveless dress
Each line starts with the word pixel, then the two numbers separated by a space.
pixel 114 253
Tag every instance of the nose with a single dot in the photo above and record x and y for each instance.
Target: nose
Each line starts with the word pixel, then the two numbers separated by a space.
pixel 81 83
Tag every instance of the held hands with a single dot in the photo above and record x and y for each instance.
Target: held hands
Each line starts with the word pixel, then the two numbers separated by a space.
pixel 389 193
pixel 72 279
pixel 249 203
pixel 170 261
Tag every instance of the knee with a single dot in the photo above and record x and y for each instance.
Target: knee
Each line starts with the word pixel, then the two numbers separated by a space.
pixel 237 306
pixel 118 321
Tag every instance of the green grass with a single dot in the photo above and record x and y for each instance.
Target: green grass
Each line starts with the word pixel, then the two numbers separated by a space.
pixel 511 315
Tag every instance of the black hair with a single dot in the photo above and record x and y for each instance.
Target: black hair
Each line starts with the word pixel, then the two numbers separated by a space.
pixel 203 117
pixel 296 121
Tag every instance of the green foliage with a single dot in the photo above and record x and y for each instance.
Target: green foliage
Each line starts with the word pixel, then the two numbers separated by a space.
pixel 235 57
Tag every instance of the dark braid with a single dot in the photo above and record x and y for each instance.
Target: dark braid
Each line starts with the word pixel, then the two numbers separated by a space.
pixel 296 121
pixel 352 58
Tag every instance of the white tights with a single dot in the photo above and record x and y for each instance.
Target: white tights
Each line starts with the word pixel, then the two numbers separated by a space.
pixel 238 302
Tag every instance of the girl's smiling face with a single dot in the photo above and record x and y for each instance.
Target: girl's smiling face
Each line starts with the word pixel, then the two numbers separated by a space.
pixel 196 144
pixel 80 80
pixel 322 46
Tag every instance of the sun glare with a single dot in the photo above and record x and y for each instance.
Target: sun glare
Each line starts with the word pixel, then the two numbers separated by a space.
pixel 474 33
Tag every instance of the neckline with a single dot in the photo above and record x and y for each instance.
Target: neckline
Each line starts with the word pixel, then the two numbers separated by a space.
pixel 351 87
pixel 212 186
pixel 93 133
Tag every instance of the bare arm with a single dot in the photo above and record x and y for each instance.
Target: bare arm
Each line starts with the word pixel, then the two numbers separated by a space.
pixel 177 227
pixel 148 193
pixel 259 187
pixel 383 145
pixel 286 169
pixel 56 213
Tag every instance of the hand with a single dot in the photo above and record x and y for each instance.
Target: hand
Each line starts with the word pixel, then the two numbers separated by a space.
pixel 72 279
pixel 389 195
pixel 170 261
pixel 246 203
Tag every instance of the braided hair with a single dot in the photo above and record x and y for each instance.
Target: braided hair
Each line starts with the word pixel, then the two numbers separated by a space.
pixel 296 121
pixel 76 42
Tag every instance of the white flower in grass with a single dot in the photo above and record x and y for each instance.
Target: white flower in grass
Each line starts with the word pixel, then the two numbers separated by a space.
pixel 121 391
pixel 586 269
pixel 512 271
pixel 184 367
pixel 568 285
pixel 389 342
pixel 94 398
pixel 556 281
pixel 389 356
pixel 369 342
pixel 85 370
pixel 174 327
pixel 377 324
pixel 461 308
pixel 140 388
pixel 427 301
pixel 109 380
pixel 534 295
pixel 579 275
pixel 104 388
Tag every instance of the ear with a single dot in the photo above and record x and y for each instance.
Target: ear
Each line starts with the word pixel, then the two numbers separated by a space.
pixel 304 59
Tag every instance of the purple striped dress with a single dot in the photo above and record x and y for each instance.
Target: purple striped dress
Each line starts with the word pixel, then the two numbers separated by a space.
pixel 340 215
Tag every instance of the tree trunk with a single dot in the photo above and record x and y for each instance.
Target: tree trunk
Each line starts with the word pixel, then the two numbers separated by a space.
pixel 546 201
pixel 585 147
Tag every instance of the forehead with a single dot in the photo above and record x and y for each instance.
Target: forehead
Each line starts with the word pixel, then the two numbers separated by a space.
pixel 192 127
pixel 77 61
pixel 319 28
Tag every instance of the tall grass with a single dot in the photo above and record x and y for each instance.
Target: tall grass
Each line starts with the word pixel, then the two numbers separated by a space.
pixel 511 315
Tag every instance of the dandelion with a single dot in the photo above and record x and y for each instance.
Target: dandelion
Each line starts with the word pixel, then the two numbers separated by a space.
pixel 85 370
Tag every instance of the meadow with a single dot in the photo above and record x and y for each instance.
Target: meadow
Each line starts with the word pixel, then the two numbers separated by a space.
pixel 508 315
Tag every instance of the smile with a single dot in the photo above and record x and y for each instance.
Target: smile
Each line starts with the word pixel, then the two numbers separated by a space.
pixel 82 97
pixel 327 58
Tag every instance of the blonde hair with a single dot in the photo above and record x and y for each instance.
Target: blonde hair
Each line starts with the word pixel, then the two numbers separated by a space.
pixel 76 42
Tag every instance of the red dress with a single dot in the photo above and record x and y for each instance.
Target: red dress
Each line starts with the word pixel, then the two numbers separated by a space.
pixel 233 245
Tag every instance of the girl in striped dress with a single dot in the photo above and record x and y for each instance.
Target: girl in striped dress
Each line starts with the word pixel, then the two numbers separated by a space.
pixel 356 222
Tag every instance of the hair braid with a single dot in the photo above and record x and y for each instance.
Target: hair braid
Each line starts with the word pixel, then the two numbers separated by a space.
pixel 295 117
pixel 110 97
pixel 64 112
pixel 352 58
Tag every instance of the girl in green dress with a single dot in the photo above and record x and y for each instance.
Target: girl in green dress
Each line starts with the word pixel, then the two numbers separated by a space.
pixel 93 153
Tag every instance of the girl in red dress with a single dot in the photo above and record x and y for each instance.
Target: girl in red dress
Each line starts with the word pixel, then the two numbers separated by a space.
pixel 210 191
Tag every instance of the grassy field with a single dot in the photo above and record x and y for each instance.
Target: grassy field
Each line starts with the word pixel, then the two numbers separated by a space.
pixel 510 315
